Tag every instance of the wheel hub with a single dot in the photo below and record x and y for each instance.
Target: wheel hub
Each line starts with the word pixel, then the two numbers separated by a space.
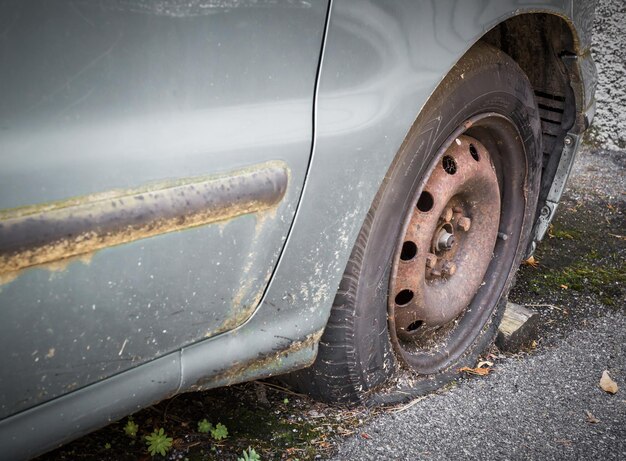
pixel 447 245
pixel 445 238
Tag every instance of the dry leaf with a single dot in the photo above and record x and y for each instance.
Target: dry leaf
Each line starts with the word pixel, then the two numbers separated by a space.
pixel 482 368
pixel 476 371
pixel 565 287
pixel 607 384
pixel 532 262
pixel 590 418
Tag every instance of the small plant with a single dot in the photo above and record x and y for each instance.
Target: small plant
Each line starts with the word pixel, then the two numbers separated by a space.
pixel 286 401
pixel 250 455
pixel 219 432
pixel 158 442
pixel 107 446
pixel 131 428
pixel 204 426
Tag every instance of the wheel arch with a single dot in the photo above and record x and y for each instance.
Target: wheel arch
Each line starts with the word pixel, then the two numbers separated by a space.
pixel 541 44
pixel 485 79
pixel 548 49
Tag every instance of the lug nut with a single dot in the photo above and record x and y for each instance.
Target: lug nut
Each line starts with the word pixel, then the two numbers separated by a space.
pixel 447 214
pixel 431 260
pixel 449 268
pixel 464 223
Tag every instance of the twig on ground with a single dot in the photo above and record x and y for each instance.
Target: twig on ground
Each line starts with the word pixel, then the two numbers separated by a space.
pixel 408 405
pixel 282 389
pixel 551 306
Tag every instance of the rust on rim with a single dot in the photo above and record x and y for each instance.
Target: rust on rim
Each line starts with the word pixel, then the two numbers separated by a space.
pixel 450 235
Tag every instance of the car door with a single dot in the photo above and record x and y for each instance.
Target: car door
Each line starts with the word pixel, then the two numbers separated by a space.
pixel 152 157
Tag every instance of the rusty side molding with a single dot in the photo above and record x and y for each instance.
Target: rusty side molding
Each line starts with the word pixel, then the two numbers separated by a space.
pixel 290 357
pixel 43 234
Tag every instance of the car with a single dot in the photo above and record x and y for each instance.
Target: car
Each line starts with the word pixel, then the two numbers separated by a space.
pixel 196 194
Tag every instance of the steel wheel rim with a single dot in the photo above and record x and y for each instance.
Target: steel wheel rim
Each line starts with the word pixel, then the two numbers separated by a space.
pixel 492 135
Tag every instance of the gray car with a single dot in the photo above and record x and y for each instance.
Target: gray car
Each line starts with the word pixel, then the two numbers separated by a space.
pixel 195 194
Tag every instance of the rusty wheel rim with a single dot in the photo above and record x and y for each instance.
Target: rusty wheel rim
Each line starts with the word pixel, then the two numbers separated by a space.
pixel 446 247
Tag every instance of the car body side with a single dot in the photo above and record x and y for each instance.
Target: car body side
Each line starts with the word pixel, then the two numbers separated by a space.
pixel 380 63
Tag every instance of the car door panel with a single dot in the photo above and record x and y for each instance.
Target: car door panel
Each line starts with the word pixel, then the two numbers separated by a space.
pixel 110 114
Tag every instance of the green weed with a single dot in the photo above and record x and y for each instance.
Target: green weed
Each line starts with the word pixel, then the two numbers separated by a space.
pixel 219 432
pixel 158 442
pixel 205 426
pixel 131 428
pixel 250 455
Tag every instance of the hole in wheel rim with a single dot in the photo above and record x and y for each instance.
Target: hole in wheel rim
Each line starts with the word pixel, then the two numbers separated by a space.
pixel 409 250
pixel 425 202
pixel 415 325
pixel 449 164
pixel 474 152
pixel 404 297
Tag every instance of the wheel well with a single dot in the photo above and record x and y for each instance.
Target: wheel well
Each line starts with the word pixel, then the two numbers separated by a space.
pixel 545 48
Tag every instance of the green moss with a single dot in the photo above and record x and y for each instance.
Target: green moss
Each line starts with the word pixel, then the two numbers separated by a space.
pixel 569 234
pixel 586 276
pixel 591 137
